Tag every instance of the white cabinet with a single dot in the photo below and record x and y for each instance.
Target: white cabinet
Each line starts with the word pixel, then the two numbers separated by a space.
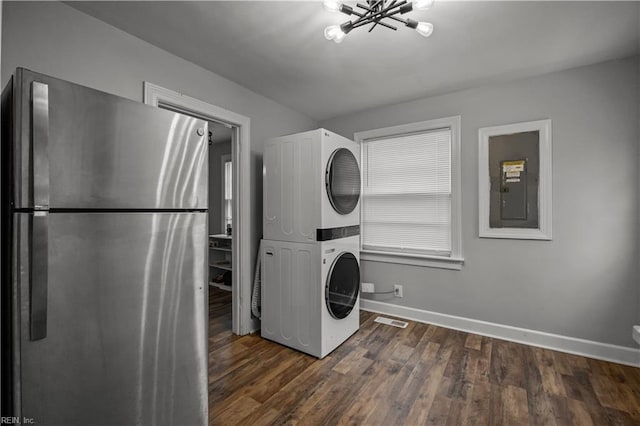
pixel 220 261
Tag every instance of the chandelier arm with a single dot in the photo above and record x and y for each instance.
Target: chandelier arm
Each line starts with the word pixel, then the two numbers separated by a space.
pixel 390 16
pixel 364 20
pixel 362 24
pixel 404 21
pixel 395 18
pixel 349 11
pixel 376 8
pixel 391 5
pixel 373 16
pixel 391 27
pixel 384 11
pixel 380 18
pixel 368 16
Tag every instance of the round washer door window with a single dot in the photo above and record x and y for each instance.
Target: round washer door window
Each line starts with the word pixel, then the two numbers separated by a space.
pixel 343 285
pixel 342 180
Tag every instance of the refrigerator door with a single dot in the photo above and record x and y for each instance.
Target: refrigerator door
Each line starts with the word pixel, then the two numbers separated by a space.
pixel 113 321
pixel 79 148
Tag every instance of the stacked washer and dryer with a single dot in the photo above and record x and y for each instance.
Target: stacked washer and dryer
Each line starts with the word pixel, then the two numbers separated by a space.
pixel 310 251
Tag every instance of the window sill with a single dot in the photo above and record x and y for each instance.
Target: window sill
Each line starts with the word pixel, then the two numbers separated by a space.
pixel 454 263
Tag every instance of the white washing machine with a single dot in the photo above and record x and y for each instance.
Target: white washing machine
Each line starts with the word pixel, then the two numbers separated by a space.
pixel 310 293
pixel 311 184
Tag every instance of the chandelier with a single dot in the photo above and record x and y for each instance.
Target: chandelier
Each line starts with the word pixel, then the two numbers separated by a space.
pixel 376 12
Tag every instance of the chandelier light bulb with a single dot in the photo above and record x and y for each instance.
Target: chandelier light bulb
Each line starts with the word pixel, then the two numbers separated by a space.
pixel 334 32
pixel 424 29
pixel 421 4
pixel 332 5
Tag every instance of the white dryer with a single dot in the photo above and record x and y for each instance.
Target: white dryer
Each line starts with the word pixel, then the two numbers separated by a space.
pixel 310 293
pixel 311 184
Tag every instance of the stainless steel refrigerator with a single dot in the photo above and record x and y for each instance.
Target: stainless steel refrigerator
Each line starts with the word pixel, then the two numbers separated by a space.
pixel 104 236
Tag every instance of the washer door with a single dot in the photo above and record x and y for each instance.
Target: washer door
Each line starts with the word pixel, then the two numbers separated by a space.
pixel 342 179
pixel 343 285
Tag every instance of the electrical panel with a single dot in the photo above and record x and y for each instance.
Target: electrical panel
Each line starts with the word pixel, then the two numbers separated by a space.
pixel 514 170
pixel 513 190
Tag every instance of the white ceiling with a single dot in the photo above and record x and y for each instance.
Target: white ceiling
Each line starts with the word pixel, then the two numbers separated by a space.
pixel 278 49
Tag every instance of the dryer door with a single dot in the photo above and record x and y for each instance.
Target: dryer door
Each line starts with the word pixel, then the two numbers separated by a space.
pixel 343 285
pixel 342 179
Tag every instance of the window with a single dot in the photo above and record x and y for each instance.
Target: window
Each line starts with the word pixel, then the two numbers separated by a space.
pixel 411 194
pixel 227 181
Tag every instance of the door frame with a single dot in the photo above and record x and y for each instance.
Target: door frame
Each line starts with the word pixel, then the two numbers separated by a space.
pixel 240 150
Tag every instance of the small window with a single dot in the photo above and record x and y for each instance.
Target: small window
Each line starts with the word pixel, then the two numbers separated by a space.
pixel 227 172
pixel 411 193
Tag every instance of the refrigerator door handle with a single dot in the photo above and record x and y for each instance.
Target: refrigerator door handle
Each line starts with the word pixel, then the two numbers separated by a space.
pixel 40 135
pixel 39 276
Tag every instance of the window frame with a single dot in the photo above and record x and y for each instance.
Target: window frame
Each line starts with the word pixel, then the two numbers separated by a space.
pixel 225 158
pixel 455 260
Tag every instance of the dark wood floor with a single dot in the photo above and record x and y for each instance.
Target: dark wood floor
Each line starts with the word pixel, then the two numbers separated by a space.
pixel 423 374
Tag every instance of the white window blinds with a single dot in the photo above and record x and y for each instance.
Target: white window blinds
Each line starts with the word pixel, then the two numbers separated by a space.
pixel 406 197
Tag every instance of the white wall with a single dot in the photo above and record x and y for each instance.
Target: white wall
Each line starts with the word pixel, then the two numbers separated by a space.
pixel 584 283
pixel 55 39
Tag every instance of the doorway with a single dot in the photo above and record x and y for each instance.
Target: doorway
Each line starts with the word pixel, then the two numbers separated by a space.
pixel 220 140
pixel 241 228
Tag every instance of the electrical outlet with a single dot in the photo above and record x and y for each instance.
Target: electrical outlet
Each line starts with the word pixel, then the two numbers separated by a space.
pixel 368 287
pixel 397 290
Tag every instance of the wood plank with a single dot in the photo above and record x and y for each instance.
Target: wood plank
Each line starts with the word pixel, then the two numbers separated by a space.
pixel 515 405
pixel 507 364
pixel 616 394
pixel 551 378
pixel 579 415
pixel 541 408
pixel 439 411
pixel 417 366
pixel 484 359
pixel 299 390
pixel 463 375
pixel 480 405
pixel 474 342
pixel 365 404
pixel 419 412
pixel 341 392
pixel 458 413
pixel 351 360
pixel 237 410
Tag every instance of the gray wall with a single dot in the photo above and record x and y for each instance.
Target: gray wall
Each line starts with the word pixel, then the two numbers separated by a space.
pixel 638 123
pixel 582 284
pixel 216 151
pixel 55 39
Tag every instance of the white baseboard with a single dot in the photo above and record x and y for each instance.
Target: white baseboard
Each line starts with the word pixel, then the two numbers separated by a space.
pixel 572 345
